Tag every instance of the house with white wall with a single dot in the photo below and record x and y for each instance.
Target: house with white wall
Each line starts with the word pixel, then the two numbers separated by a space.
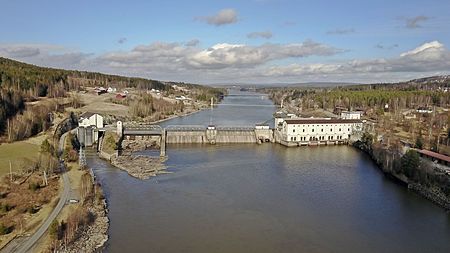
pixel 316 131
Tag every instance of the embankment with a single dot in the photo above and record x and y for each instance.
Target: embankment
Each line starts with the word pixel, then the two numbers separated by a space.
pixel 427 179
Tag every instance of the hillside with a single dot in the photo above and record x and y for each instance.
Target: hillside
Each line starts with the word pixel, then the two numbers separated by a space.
pixel 22 84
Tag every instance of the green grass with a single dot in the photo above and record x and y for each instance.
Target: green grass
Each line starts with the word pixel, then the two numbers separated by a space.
pixel 19 153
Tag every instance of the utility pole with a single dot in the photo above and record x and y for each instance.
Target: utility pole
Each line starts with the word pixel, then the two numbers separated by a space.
pixel 10 171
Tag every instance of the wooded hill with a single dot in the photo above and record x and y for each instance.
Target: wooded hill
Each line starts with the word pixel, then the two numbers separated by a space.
pixel 21 83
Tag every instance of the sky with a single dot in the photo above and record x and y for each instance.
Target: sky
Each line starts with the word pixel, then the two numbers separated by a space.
pixel 245 41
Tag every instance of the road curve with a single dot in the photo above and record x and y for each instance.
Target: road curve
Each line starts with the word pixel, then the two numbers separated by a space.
pixel 28 244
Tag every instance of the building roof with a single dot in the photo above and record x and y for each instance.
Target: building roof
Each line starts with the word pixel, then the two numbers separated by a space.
pixel 434 155
pixel 322 121
pixel 87 115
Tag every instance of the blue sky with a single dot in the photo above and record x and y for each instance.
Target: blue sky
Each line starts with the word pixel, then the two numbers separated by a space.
pixel 257 41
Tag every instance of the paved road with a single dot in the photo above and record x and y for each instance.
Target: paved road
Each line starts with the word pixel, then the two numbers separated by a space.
pixel 29 242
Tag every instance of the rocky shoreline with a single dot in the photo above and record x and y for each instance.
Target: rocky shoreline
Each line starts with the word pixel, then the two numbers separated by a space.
pixel 93 237
pixel 140 166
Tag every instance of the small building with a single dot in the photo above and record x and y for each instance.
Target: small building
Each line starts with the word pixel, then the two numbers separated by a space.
pixel 281 116
pixel 339 109
pixel 351 115
pixel 315 131
pixel 100 90
pixel 88 128
pixel 121 96
pixel 424 110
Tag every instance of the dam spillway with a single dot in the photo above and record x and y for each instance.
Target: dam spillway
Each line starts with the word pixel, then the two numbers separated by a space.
pixel 213 135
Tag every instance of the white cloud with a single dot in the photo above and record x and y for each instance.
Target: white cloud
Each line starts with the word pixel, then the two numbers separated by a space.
pixel 429 57
pixel 226 62
pixel 223 17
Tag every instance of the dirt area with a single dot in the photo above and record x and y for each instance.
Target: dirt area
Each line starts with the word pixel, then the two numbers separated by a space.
pixel 101 104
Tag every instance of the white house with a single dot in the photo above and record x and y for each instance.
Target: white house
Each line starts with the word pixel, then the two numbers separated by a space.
pixel 88 127
pixel 305 131
pixel 90 119
pixel 351 115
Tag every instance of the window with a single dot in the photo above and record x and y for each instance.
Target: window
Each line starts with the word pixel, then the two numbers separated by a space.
pixel 331 129
pixel 303 130
pixel 339 129
pixel 293 130
pixel 349 129
pixel 313 130
pixel 321 130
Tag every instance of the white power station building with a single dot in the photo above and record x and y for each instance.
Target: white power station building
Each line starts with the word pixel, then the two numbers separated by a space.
pixel 88 128
pixel 316 131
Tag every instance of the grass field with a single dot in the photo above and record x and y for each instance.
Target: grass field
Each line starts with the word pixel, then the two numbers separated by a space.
pixel 19 153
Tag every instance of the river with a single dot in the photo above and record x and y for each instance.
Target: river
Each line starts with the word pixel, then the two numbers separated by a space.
pixel 266 198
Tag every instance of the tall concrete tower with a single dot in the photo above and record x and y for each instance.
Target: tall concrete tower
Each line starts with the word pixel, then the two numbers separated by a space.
pixel 119 128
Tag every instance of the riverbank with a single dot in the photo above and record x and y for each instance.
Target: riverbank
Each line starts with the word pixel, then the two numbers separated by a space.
pixel 389 161
pixel 93 237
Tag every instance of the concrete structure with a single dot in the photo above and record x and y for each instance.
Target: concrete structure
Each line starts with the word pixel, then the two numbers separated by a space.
pixel 317 131
pixel 89 125
pixel 280 116
pixel 119 130
pixel 351 115
pixel 144 132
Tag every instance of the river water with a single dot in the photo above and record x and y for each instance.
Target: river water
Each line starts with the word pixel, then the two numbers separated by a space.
pixel 266 198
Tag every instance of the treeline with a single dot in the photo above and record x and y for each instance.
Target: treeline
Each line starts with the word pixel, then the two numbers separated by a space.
pixel 40 81
pixel 330 98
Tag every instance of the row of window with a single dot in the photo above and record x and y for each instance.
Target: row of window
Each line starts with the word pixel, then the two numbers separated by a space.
pixel 331 130
pixel 312 138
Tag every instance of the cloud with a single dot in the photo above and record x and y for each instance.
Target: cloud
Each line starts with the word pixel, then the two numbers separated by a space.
pixel 415 22
pixel 219 56
pixel 387 47
pixel 429 57
pixel 226 62
pixel 19 51
pixel 341 31
pixel 223 17
pixel 45 55
pixel 192 43
pixel 256 35
pixel 122 40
